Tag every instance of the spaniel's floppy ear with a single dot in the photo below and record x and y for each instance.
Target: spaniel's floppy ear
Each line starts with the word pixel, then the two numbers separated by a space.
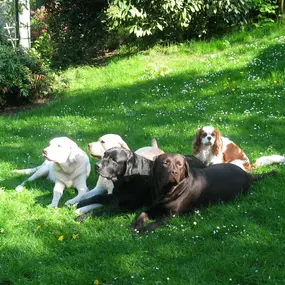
pixel 123 144
pixel 217 147
pixel 197 141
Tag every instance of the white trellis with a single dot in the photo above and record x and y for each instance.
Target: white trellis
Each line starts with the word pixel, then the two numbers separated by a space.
pixel 15 20
pixel 11 32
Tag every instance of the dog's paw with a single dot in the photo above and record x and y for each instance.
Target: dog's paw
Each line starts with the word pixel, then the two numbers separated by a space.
pixel 71 202
pixel 136 225
pixel 19 188
pixel 79 211
pixel 82 218
pixel 51 205
pixel 138 228
pixel 87 209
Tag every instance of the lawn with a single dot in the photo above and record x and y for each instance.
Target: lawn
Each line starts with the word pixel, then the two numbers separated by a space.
pixel 235 83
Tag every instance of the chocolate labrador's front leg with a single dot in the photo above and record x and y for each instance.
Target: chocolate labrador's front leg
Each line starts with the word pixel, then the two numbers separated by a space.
pixel 152 213
pixel 153 225
pixel 139 222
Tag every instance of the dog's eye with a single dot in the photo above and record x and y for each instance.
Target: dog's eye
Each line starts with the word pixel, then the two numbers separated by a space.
pixel 204 135
pixel 213 134
pixel 59 145
pixel 166 162
pixel 102 142
pixel 178 163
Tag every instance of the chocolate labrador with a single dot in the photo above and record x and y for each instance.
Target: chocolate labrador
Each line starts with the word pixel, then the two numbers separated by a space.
pixel 178 187
pixel 130 174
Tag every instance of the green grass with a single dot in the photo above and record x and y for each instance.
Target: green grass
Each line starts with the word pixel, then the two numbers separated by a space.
pixel 235 83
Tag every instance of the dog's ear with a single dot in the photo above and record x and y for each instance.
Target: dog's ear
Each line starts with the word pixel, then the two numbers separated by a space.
pixel 197 141
pixel 130 163
pixel 187 168
pixel 74 151
pixel 73 155
pixel 217 147
pixel 123 144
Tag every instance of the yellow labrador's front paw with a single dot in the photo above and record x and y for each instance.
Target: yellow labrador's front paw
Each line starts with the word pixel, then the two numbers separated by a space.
pixel 19 188
pixel 51 205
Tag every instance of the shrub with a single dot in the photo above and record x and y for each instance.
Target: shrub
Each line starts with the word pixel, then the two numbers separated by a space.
pixel 41 39
pixel 3 38
pixel 266 12
pixel 77 33
pixel 22 78
pixel 178 19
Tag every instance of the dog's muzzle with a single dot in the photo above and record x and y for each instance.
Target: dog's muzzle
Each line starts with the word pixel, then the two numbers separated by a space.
pixel 45 155
pixel 209 143
pixel 174 177
pixel 102 171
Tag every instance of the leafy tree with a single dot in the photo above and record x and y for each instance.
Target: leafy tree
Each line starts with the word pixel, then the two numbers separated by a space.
pixel 75 28
pixel 179 17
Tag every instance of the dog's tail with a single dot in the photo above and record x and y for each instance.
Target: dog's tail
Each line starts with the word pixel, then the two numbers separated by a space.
pixel 28 171
pixel 256 177
pixel 154 143
pixel 267 160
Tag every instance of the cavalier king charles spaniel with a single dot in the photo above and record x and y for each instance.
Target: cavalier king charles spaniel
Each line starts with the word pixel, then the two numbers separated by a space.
pixel 211 148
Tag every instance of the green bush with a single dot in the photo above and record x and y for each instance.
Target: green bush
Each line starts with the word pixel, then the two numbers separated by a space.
pixel 178 19
pixel 41 39
pixel 3 39
pixel 77 33
pixel 266 12
pixel 22 78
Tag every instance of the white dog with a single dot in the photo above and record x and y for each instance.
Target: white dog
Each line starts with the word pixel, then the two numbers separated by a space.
pixel 97 149
pixel 66 164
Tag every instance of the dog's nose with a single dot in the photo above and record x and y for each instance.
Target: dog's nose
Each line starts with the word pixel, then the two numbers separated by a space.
pixel 44 151
pixel 89 146
pixel 209 138
pixel 174 172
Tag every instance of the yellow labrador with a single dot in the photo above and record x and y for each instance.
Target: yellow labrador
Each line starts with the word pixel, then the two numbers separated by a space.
pixel 66 165
pixel 97 149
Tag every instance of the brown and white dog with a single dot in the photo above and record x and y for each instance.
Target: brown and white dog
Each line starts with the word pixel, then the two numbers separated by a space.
pixel 212 148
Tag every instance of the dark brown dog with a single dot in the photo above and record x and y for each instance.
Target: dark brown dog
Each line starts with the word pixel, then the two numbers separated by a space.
pixel 179 188
pixel 130 174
